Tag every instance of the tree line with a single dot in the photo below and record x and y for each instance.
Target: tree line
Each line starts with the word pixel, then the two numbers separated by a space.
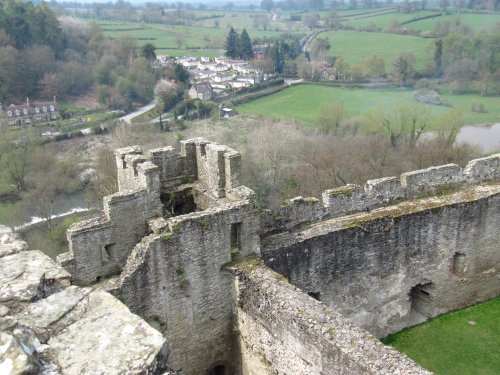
pixel 43 56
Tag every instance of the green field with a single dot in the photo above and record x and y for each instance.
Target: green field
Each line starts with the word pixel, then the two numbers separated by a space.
pixel 450 345
pixel 303 103
pixel 384 20
pixel 356 46
pixel 178 40
pixel 478 22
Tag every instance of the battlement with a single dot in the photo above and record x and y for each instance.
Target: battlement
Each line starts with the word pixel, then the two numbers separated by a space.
pixel 163 183
pixel 350 199
pixel 216 167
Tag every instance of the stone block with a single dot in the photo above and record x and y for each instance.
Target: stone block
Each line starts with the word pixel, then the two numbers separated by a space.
pixel 30 275
pixel 484 169
pixel 383 190
pixel 346 199
pixel 429 179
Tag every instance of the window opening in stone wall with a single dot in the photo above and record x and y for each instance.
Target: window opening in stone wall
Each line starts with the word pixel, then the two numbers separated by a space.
pixel 315 295
pixel 458 264
pixel 203 151
pixel 421 303
pixel 235 239
pixel 106 253
pixel 218 370
pixel 124 163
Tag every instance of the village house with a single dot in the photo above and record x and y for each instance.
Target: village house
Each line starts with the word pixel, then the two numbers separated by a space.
pixel 203 91
pixel 328 74
pixel 222 77
pixel 220 73
pixel 25 114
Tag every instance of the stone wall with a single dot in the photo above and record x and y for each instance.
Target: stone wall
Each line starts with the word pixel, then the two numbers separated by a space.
pixel 378 193
pixel 282 331
pixel 398 265
pixel 50 327
pixel 174 280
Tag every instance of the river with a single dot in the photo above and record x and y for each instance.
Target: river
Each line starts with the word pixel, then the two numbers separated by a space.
pixel 64 205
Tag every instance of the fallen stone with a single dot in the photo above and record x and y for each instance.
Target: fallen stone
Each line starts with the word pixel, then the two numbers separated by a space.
pixel 50 316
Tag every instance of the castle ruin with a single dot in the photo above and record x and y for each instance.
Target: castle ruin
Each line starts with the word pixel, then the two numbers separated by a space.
pixel 235 289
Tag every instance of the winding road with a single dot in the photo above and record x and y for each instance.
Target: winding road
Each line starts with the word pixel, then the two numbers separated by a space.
pixel 128 118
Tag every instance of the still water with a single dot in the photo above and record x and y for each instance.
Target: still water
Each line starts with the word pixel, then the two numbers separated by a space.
pixel 486 136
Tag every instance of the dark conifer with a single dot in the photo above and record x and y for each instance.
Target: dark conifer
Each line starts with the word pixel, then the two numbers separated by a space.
pixel 232 44
pixel 245 46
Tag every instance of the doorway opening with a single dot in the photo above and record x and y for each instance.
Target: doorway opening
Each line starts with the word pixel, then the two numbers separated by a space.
pixel 218 370
pixel 421 303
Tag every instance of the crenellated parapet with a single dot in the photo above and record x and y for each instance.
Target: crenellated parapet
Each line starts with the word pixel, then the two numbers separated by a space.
pixel 151 186
pixel 351 198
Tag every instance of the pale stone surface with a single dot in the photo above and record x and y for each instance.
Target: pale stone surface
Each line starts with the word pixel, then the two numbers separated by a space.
pixel 10 243
pixel 483 169
pixel 284 331
pixel 68 330
pixel 51 315
pixel 28 275
pixel 4 310
pixel 13 359
pixel 107 339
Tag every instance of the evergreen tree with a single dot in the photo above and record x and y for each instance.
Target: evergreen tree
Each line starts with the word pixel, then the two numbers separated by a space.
pixel 438 55
pixel 181 74
pixel 245 46
pixel 232 44
pixel 275 55
pixel 148 51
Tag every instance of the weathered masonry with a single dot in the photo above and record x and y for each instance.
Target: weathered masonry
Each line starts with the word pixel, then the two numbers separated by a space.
pixel 184 246
pixel 48 326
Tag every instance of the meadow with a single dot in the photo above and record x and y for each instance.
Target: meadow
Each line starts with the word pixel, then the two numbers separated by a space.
pixel 461 342
pixel 201 38
pixel 303 103
pixel 478 22
pixel 384 20
pixel 356 46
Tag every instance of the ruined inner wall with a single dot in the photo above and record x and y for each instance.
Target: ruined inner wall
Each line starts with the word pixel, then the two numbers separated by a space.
pixel 175 280
pixel 398 265
pixel 283 331
pixel 99 248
